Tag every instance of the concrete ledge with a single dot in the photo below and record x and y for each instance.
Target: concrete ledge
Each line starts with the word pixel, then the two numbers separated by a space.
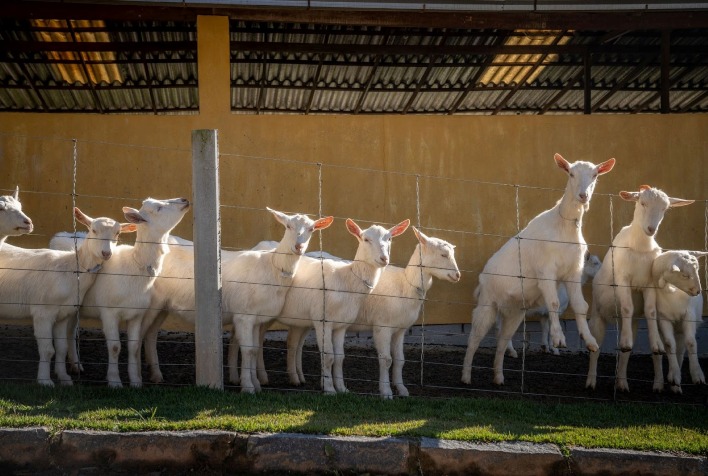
pixel 30 450
pixel 24 449
pixel 459 457
pixel 585 461
pixel 308 454
pixel 147 451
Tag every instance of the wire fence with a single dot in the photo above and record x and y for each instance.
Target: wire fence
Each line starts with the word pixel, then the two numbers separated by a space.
pixel 433 348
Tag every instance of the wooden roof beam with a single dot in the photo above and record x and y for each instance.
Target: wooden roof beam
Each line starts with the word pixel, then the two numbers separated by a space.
pixel 556 20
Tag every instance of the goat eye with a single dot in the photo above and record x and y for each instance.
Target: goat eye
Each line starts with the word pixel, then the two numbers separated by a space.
pixel 572 174
pixel 445 256
pixel 367 240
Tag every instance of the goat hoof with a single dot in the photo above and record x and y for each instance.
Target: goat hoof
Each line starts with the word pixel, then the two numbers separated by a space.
pixel 676 389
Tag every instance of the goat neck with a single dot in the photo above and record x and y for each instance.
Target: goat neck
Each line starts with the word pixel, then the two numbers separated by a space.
pixel 284 261
pixel 637 239
pixel 570 211
pixel 88 262
pixel 150 250
pixel 368 273
pixel 417 275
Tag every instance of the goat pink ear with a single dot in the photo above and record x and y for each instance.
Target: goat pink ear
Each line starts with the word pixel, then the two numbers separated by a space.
pixel 630 196
pixel 133 215
pixel 562 163
pixel 82 218
pixel 420 235
pixel 128 228
pixel 323 223
pixel 644 187
pixel 698 254
pixel 353 228
pixel 400 228
pixel 605 167
pixel 679 202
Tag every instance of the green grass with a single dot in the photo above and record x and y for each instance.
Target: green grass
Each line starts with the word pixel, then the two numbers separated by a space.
pixel 637 426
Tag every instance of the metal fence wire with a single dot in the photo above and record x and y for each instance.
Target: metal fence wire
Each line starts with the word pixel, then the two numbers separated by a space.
pixel 434 346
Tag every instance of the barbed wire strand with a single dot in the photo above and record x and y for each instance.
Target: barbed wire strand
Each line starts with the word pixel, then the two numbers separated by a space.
pixel 75 330
pixel 618 317
pixel 422 282
pixel 523 296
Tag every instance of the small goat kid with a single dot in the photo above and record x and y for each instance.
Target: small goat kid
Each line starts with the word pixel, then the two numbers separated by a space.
pixel 42 284
pixel 627 269
pixel 328 294
pixel 122 291
pixel 679 304
pixel 392 308
pixel 549 250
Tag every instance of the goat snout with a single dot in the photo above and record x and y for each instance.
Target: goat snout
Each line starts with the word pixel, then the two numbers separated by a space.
pixel 455 276
pixel 383 259
pixel 28 225
pixel 106 254
pixel 299 248
pixel 651 230
pixel 583 197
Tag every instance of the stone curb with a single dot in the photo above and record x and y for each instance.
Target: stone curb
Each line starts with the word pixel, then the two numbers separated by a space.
pixel 36 450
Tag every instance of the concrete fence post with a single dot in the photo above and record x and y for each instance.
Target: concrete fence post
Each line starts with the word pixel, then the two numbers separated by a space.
pixel 207 258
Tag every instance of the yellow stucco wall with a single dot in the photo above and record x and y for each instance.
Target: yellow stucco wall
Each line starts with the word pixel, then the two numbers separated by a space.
pixel 369 169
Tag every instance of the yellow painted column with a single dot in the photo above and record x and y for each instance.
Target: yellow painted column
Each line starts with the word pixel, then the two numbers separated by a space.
pixel 214 67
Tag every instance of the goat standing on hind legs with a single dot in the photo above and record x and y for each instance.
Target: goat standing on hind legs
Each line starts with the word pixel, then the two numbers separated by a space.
pixel 625 276
pixel 549 250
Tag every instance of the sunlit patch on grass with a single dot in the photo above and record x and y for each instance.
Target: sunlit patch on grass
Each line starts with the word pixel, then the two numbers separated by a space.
pixel 381 428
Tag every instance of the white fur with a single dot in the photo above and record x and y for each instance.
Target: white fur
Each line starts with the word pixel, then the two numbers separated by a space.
pixel 254 288
pixel 590 269
pixel 12 221
pixel 122 291
pixel 328 293
pixel 679 304
pixel 626 270
pixel 392 309
pixel 42 284
pixel 548 251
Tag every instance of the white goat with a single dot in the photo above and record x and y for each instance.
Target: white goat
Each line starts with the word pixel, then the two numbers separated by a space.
pixel 12 221
pixel 392 309
pixel 42 284
pixel 327 294
pixel 122 290
pixel 174 289
pixel 549 250
pixel 627 268
pixel 679 304
pixel 590 269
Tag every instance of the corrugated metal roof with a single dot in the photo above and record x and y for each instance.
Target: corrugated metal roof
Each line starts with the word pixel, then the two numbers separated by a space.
pixel 159 78
pixel 330 68
pixel 453 76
